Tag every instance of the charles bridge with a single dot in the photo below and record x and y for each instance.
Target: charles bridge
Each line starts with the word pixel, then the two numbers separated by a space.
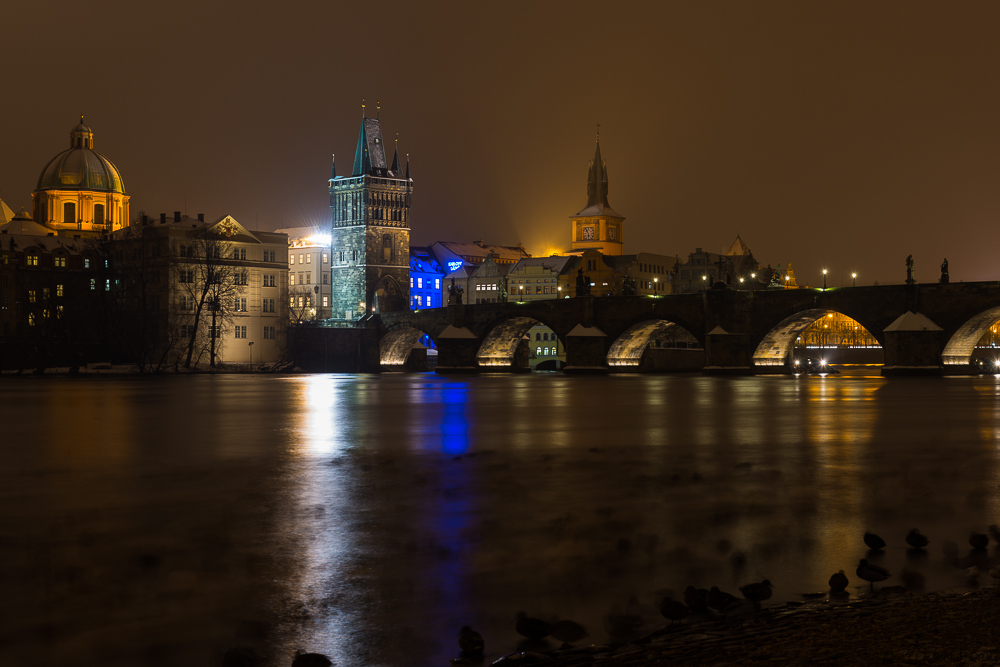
pixel 923 329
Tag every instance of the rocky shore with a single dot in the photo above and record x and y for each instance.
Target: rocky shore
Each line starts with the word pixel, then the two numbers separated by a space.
pixel 894 627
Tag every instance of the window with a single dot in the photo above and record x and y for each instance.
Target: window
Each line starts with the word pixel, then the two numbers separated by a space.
pixel 538 290
pixel 186 330
pixel 545 351
pixel 268 280
pixel 269 332
pixel 59 311
pixel 309 302
pixel 186 251
pixel 325 258
pixel 240 304
pixel 31 319
pixel 215 331
pixel 86 263
pixel 98 214
pixel 326 278
pixel 420 283
pixel 291 301
pixel 387 249
pixel 93 283
pixel 32 260
pixel 268 305
pixel 291 279
pixel 545 336
pixel 538 351
pixel 32 296
pixel 187 302
pixel 60 262
pixel 309 258
pixel 411 282
pixel 354 255
pixel 240 279
pixel 45 293
pixel 187 276
pixel 326 301
pixel 538 336
pixel 291 259
pixel 309 279
pixel 437 283
pixel 268 255
pixel 69 212
pixel 301 301
pixel 240 331
pixel 239 253
pixel 342 260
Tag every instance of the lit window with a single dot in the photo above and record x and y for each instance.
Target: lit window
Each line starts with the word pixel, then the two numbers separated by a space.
pixel 538 351
pixel 309 259
pixel 291 259
pixel 437 283
pixel 545 352
pixel 31 319
pixel 411 282
pixel 32 296
pixel 32 260
pixel 93 283
pixel 326 301
pixel 59 311
pixel 300 259
pixel 291 278
pixel 60 262
pixel 45 293
pixel 325 258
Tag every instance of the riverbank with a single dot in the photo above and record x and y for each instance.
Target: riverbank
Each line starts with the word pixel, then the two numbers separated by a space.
pixel 958 627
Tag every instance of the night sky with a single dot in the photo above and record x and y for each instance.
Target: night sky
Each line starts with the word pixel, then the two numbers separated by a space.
pixel 838 135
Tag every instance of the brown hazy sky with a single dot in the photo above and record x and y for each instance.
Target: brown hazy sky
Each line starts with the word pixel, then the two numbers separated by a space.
pixel 843 135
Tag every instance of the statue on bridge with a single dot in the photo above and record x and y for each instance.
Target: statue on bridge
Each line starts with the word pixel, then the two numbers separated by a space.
pixel 455 294
pixel 909 270
pixel 944 270
pixel 502 290
pixel 582 283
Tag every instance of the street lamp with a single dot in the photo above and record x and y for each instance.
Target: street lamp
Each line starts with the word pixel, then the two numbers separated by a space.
pixel 824 278
pixel 250 352
pixel 753 284
pixel 655 285
pixel 854 277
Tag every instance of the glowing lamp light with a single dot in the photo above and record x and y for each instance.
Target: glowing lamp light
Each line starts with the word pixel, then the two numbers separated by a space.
pixel 319 239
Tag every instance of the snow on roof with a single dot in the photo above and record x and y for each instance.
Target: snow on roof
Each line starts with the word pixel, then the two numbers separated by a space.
pixel 910 321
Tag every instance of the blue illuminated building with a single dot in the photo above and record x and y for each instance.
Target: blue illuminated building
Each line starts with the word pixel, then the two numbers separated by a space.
pixel 426 279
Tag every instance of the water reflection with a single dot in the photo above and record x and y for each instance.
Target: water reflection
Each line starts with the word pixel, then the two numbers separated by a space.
pixel 370 517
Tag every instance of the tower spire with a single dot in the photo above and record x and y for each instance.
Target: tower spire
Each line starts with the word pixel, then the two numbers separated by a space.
pixel 407 166
pixel 362 108
pixel 395 168
pixel 333 166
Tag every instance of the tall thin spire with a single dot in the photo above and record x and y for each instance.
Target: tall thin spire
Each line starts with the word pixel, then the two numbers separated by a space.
pixel 362 164
pixel 395 168
pixel 407 166
pixel 333 166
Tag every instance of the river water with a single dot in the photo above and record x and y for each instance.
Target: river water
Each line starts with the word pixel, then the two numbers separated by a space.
pixel 162 521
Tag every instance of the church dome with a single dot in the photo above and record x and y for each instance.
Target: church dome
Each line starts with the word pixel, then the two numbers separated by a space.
pixel 80 167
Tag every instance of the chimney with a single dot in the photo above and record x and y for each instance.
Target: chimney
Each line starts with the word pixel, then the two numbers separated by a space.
pixel 177 216
pixel 201 217
pixel 163 218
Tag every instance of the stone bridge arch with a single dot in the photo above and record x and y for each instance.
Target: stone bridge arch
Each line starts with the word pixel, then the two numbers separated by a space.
pixel 628 350
pixel 397 344
pixel 775 347
pixel 961 344
pixel 502 347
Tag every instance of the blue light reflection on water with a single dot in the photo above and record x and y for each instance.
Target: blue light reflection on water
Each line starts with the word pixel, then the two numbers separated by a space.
pixel 454 420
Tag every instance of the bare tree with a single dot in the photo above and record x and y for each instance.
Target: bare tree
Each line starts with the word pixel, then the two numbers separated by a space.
pixel 302 303
pixel 210 283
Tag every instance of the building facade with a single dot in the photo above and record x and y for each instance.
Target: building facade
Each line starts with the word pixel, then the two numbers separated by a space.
pixel 309 289
pixel 426 279
pixel 370 238
pixel 598 226
pixel 80 192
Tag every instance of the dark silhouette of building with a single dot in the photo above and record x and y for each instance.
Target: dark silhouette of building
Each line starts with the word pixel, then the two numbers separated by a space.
pixel 370 230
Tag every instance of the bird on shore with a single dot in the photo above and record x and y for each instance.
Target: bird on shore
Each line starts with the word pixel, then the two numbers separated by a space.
pixel 672 610
pixel 978 541
pixel 916 540
pixel 696 599
pixel 871 573
pixel 532 628
pixel 303 659
pixel 874 542
pixel 757 592
pixel 470 641
pixel 568 631
pixel 721 600
pixel 838 582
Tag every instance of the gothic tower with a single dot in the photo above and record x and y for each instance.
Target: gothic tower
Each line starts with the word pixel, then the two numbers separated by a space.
pixel 597 225
pixel 370 238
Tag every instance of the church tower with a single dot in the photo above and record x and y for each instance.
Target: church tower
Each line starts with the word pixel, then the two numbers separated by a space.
pixel 370 238
pixel 597 225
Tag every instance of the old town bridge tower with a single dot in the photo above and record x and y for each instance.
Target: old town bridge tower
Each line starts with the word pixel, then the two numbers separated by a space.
pixel 370 238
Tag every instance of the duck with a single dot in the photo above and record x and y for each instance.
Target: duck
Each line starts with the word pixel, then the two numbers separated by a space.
pixel 874 542
pixel 470 641
pixel 720 600
pixel 916 540
pixel 696 599
pixel 871 573
pixel 672 610
pixel 757 593
pixel 532 628
pixel 303 659
pixel 568 631
pixel 978 541
pixel 838 582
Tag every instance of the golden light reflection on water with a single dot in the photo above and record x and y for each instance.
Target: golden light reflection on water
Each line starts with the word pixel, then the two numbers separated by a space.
pixel 317 399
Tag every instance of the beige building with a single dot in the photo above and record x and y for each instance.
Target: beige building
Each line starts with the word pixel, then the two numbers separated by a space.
pixel 192 264
pixel 308 273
